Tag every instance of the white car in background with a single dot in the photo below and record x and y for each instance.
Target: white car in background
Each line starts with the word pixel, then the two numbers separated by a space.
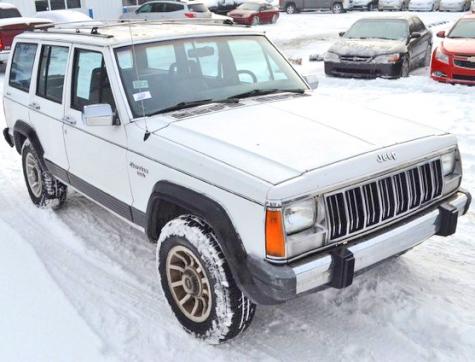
pixel 365 5
pixel 158 10
pixel 68 18
pixel 424 5
pixel 393 5
pixel 455 5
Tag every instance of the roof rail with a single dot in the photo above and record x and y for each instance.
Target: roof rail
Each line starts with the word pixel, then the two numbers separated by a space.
pixel 93 27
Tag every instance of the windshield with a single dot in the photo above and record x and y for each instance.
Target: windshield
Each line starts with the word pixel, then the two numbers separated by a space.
pixel 249 6
pixel 463 29
pixel 378 29
pixel 9 13
pixel 161 75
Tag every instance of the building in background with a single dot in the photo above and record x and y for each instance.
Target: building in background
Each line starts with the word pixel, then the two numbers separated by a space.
pixel 98 9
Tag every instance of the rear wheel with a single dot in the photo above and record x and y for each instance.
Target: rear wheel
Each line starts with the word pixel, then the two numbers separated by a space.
pixel 274 19
pixel 255 21
pixel 43 188
pixel 428 56
pixel 290 9
pixel 198 284
pixel 337 8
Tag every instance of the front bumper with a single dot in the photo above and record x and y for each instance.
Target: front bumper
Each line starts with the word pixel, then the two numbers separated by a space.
pixel 363 70
pixel 451 73
pixel 277 284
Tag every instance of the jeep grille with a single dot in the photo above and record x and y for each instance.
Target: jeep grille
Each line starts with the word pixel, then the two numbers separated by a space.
pixel 379 201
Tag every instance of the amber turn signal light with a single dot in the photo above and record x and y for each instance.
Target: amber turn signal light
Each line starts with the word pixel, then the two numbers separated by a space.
pixel 275 237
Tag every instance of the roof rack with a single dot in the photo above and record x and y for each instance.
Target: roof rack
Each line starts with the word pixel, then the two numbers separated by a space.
pixel 77 26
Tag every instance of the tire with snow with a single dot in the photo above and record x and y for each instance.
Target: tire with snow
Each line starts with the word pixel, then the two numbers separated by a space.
pixel 198 284
pixel 405 67
pixel 43 188
pixel 427 57
pixel 337 8
pixel 290 9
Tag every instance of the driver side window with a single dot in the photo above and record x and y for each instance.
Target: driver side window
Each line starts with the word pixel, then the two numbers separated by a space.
pixel 90 81
pixel 147 8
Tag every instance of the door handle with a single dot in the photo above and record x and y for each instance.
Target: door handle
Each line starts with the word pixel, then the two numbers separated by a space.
pixel 69 120
pixel 35 106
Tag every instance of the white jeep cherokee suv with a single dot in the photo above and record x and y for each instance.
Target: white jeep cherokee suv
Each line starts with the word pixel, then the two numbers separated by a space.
pixel 207 139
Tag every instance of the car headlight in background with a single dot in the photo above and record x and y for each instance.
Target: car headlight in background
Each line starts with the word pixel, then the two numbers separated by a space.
pixel 448 163
pixel 387 58
pixel 441 56
pixel 331 57
pixel 299 216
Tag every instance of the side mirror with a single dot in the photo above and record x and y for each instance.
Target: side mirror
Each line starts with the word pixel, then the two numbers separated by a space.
pixel 341 33
pixel 98 115
pixel 441 34
pixel 312 80
pixel 416 35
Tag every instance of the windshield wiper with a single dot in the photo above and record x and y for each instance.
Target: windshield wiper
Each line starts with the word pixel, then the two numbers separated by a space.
pixel 263 92
pixel 190 104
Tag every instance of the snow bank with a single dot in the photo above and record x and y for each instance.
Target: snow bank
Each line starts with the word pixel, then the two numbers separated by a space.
pixel 37 322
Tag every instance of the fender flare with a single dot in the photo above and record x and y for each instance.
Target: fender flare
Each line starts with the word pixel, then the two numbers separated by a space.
pixel 243 267
pixel 24 129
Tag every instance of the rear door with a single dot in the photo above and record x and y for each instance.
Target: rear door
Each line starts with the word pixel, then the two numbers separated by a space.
pixel 418 46
pixel 47 101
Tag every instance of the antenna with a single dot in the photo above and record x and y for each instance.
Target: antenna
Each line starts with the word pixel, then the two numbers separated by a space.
pixel 134 57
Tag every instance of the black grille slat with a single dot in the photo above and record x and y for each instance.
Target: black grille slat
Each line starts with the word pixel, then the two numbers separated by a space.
pixel 370 204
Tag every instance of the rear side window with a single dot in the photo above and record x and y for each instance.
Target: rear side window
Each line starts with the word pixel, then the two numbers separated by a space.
pixel 52 70
pixel 9 13
pixel 90 81
pixel 22 66
pixel 198 8
pixel 173 7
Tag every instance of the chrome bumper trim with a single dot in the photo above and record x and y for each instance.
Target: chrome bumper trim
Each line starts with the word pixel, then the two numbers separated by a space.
pixel 318 272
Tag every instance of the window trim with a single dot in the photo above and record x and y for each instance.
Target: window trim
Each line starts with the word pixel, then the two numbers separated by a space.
pixel 38 77
pixel 10 84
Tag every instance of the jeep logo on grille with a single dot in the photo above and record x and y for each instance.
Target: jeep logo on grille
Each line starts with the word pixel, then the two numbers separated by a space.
pixel 387 156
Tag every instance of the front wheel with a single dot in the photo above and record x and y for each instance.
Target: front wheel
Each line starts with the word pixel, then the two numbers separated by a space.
pixel 198 284
pixel 405 67
pixel 255 21
pixel 428 56
pixel 43 188
pixel 274 18
pixel 337 8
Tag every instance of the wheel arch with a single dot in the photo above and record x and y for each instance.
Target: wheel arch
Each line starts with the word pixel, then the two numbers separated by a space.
pixel 169 200
pixel 23 131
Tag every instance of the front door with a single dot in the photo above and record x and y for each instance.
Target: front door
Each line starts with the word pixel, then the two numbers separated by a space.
pixel 97 154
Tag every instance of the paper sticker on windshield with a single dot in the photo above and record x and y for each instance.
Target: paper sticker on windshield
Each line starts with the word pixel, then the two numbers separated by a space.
pixel 140 84
pixel 142 96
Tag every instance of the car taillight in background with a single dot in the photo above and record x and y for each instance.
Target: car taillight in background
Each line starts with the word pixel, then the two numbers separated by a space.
pixel 190 15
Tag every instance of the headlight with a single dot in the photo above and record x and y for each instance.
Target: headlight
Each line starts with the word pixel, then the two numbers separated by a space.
pixel 448 163
pixel 441 57
pixel 299 216
pixel 331 57
pixel 387 58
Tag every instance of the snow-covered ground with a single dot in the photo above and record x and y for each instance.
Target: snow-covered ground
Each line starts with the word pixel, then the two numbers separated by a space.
pixel 79 284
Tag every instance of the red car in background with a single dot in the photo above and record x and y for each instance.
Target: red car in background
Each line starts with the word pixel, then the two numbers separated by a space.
pixel 12 24
pixel 454 60
pixel 255 13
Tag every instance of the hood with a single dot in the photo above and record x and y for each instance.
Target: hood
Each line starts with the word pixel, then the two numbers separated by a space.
pixel 241 13
pixel 277 141
pixel 459 46
pixel 367 47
